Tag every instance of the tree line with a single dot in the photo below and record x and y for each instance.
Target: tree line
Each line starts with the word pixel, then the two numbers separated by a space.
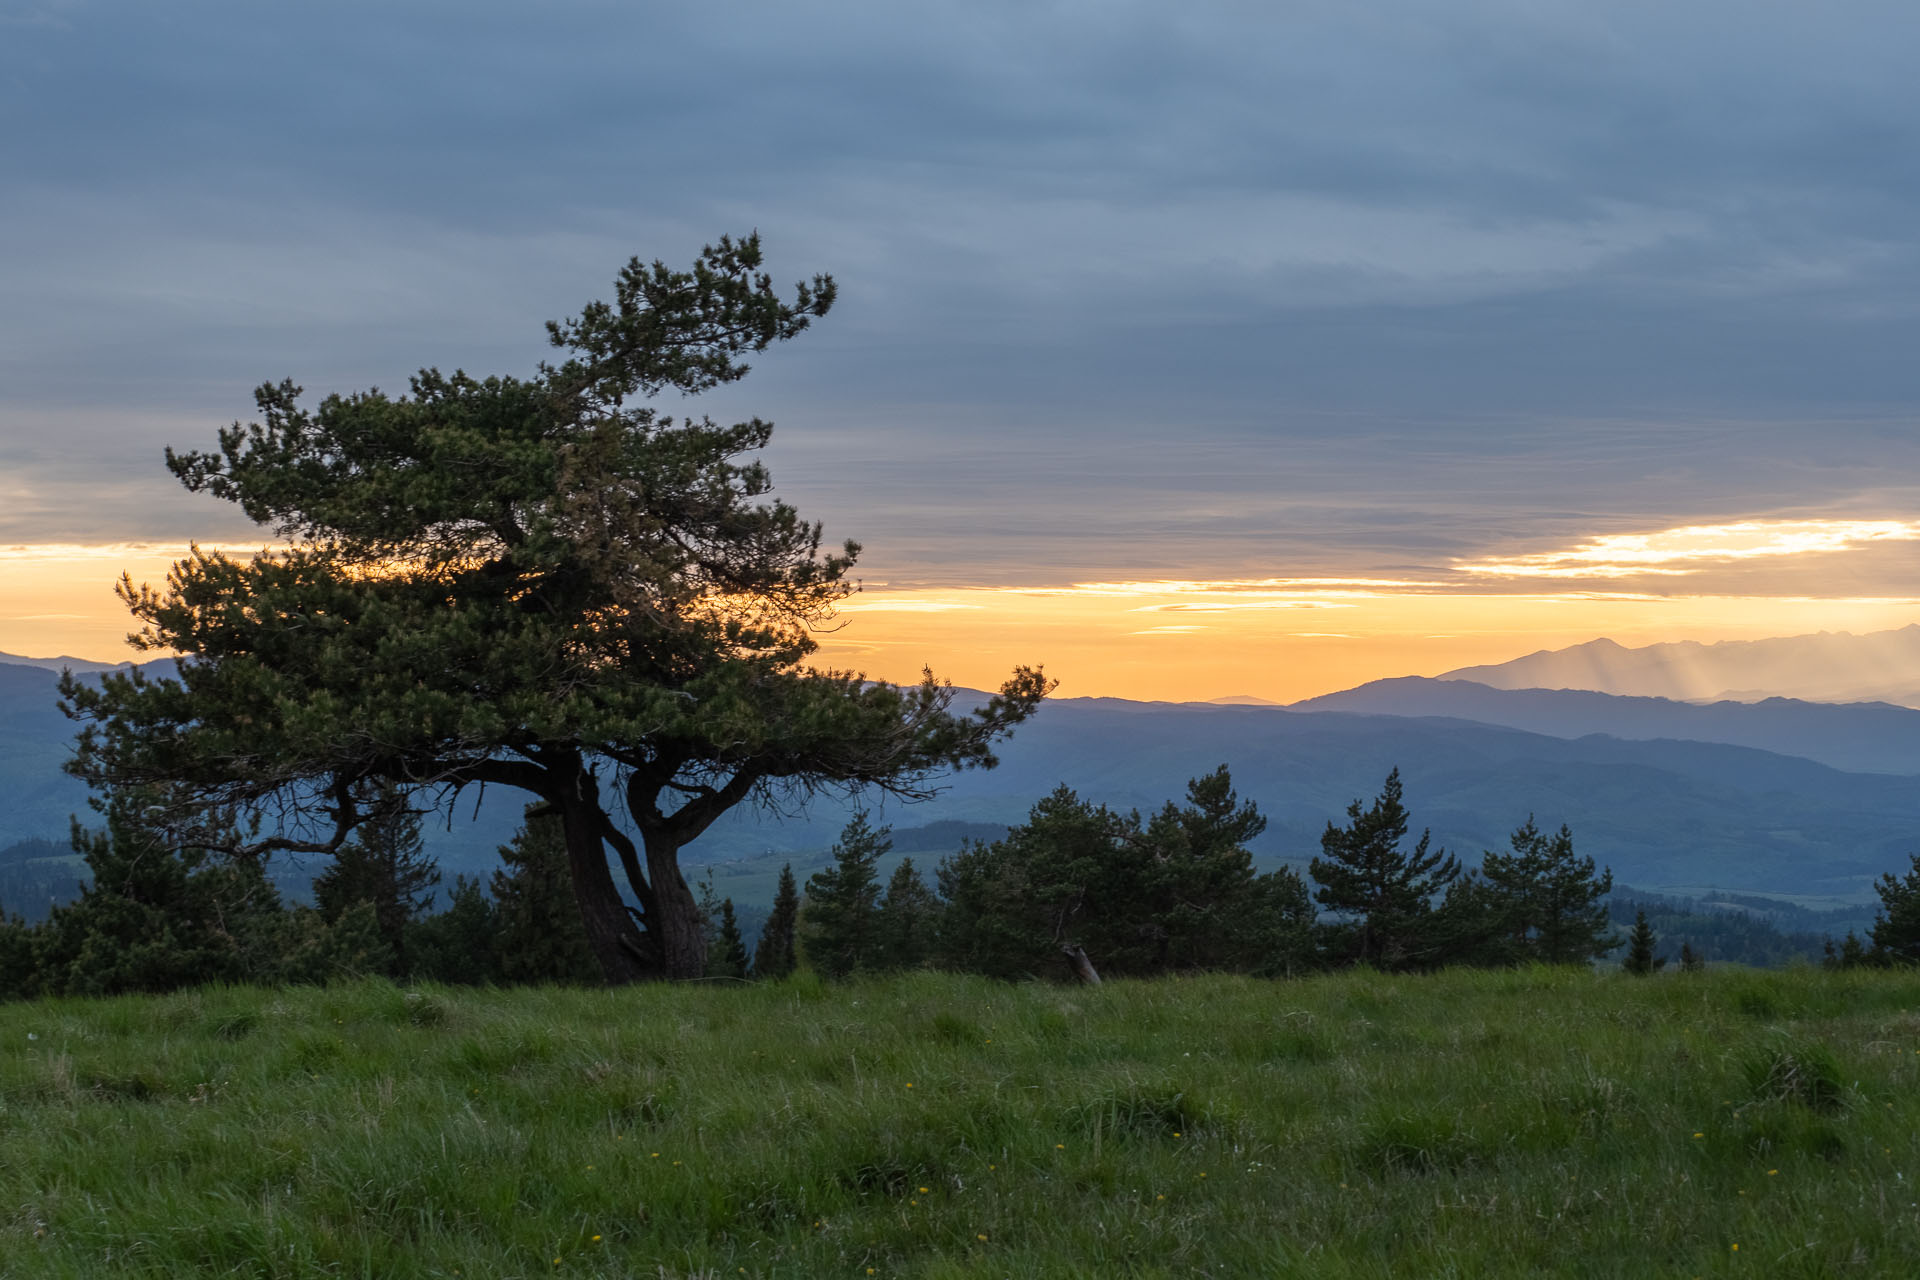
pixel 153 918
pixel 1078 889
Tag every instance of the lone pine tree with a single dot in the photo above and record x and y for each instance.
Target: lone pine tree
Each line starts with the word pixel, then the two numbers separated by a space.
pixel 1640 960
pixel 728 959
pixel 774 957
pixel 385 867
pixel 839 929
pixel 908 920
pixel 1550 902
pixel 1385 892
pixel 537 582
pixel 1896 928
pixel 534 936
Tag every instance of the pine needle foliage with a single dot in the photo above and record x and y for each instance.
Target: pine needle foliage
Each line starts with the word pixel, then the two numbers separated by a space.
pixel 386 867
pixel 539 582
pixel 1382 892
pixel 775 956
pixel 729 957
pixel 907 924
pixel 839 921
pixel 535 935
pixel 1896 931
pixel 1551 904
pixel 1640 960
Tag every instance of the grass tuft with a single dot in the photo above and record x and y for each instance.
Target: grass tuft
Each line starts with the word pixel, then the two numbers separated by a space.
pixel 1417 1142
pixel 1802 1072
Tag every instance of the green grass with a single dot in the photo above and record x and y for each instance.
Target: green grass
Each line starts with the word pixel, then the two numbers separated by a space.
pixel 1468 1124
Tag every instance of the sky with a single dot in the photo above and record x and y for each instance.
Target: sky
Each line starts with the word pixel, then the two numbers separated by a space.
pixel 1190 350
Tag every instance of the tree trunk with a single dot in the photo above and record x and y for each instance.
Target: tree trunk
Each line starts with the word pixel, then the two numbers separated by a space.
pixel 1082 967
pixel 674 924
pixel 624 953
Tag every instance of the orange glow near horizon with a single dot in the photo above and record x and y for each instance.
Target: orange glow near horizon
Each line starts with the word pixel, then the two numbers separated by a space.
pixel 1281 639
pixel 1288 646
pixel 57 599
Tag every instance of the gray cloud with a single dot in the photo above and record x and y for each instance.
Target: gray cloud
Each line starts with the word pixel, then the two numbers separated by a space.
pixel 1216 288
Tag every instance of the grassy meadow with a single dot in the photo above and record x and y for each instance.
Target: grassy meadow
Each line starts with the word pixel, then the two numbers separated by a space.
pixel 1466 1124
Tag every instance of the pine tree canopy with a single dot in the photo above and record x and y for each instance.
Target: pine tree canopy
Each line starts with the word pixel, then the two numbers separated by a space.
pixel 839 929
pixel 542 582
pixel 1385 891
pixel 1551 900
pixel 1640 959
pixel 774 957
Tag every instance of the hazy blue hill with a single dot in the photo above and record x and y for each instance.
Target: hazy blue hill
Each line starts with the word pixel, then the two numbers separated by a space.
pixel 35 874
pixel 35 796
pixel 1829 666
pixel 62 663
pixel 1863 737
pixel 1662 812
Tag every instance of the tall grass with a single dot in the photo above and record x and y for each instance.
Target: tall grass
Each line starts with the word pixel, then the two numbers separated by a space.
pixel 1467 1124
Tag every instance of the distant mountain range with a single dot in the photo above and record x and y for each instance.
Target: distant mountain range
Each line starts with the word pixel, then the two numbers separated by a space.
pixel 1782 795
pixel 1831 666
pixel 1861 737
pixel 81 665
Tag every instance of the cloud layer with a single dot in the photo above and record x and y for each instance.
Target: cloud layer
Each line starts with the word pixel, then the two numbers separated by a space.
pixel 1130 292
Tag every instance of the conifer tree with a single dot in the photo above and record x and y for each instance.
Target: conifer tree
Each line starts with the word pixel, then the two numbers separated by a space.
pixel 456 945
pixel 534 913
pixel 774 957
pixel 1854 953
pixel 1551 903
pixel 1066 879
pixel 541 582
pixel 1274 926
pixel 1474 925
pixel 907 922
pixel 155 918
pixel 728 959
pixel 1896 928
pixel 19 968
pixel 1113 893
pixel 315 950
pixel 1198 876
pixel 708 899
pixel 1640 959
pixel 1691 961
pixel 838 927
pixel 1384 892
pixel 385 867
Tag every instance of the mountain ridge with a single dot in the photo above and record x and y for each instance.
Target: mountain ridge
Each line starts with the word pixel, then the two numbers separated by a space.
pixel 1856 737
pixel 1824 666
pixel 1658 811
